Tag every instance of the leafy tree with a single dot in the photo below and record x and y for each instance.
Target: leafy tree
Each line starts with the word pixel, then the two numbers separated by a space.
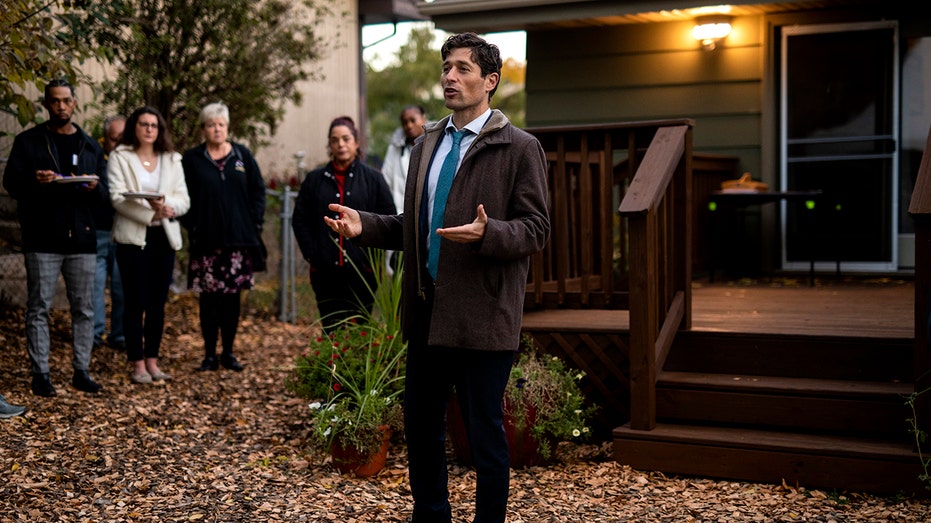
pixel 179 55
pixel 41 40
pixel 414 78
pixel 511 97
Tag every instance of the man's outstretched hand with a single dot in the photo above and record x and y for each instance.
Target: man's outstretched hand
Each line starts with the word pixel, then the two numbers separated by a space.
pixel 348 224
pixel 470 232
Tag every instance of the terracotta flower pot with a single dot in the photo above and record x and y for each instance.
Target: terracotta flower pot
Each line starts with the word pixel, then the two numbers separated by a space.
pixel 348 460
pixel 523 448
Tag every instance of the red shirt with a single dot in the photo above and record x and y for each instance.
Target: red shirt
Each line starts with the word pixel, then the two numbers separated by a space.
pixel 340 174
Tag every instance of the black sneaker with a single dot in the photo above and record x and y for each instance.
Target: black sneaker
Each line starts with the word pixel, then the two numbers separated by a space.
pixel 228 360
pixel 84 383
pixel 42 385
pixel 8 411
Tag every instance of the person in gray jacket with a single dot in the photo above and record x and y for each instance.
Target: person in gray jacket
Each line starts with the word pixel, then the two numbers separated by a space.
pixel 465 275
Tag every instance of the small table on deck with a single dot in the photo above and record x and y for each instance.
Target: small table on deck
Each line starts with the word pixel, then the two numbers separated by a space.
pixel 734 199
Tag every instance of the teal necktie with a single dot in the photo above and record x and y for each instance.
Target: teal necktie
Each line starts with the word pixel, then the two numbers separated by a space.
pixel 445 181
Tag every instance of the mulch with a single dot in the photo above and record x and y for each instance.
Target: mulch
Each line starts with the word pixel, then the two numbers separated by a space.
pixel 232 447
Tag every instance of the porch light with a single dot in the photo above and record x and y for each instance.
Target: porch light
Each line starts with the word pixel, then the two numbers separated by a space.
pixel 711 29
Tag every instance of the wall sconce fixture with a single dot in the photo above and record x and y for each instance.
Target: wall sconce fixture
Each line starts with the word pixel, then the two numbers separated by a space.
pixel 711 29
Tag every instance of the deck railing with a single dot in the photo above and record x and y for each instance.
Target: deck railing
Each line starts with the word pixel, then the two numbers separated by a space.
pixel 658 210
pixel 586 263
pixel 620 205
pixel 920 210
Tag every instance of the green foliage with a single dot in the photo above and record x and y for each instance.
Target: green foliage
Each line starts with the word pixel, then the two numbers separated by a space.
pixel 545 393
pixel 356 377
pixel 386 309
pixel 838 498
pixel 920 437
pixel 511 98
pixel 414 78
pixel 356 374
pixel 264 300
pixel 41 40
pixel 178 56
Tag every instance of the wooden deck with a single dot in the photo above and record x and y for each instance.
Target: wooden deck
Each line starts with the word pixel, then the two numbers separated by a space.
pixel 776 381
pixel 866 308
pixel 703 378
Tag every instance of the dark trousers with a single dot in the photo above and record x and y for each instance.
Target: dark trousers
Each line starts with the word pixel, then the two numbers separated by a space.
pixel 146 274
pixel 341 293
pixel 219 315
pixel 479 378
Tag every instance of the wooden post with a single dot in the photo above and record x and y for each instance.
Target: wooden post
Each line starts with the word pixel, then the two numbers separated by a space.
pixel 920 209
pixel 643 321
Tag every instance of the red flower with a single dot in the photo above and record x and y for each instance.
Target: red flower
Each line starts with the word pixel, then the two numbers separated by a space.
pixel 391 336
pixel 336 387
pixel 363 333
pixel 319 339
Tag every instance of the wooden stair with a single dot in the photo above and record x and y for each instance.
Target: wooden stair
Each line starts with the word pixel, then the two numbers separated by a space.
pixel 815 411
pixel 746 454
pixel 841 406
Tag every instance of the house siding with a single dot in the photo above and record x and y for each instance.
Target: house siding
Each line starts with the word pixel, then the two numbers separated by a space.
pixel 652 71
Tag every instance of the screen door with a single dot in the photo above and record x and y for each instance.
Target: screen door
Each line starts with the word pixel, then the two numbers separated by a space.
pixel 839 96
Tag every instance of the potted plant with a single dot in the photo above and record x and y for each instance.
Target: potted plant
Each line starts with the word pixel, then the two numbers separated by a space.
pixel 543 405
pixel 355 377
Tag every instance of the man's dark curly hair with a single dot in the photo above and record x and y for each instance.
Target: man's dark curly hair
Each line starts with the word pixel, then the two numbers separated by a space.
pixel 485 54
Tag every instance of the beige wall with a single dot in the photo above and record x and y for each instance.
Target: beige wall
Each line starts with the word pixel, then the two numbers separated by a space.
pixel 304 128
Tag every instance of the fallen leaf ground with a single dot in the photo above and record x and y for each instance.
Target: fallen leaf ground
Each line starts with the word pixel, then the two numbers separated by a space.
pixel 228 447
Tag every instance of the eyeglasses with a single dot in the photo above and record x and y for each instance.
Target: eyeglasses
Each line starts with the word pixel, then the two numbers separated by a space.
pixel 147 125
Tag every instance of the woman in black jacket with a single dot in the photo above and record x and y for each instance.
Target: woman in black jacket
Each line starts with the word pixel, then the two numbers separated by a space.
pixel 224 230
pixel 340 273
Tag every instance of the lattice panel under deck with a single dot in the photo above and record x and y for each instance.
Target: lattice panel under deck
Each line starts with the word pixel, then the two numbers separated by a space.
pixel 605 359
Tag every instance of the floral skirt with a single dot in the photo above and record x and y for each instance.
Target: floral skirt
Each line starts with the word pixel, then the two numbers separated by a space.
pixel 223 271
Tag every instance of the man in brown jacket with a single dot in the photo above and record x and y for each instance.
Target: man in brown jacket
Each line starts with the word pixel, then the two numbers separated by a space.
pixel 464 275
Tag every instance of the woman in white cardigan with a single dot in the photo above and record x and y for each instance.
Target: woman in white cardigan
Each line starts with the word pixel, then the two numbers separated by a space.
pixel 148 191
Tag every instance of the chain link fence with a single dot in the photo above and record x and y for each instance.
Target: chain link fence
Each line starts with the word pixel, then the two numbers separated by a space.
pixel 12 268
pixel 288 272
pixel 283 291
